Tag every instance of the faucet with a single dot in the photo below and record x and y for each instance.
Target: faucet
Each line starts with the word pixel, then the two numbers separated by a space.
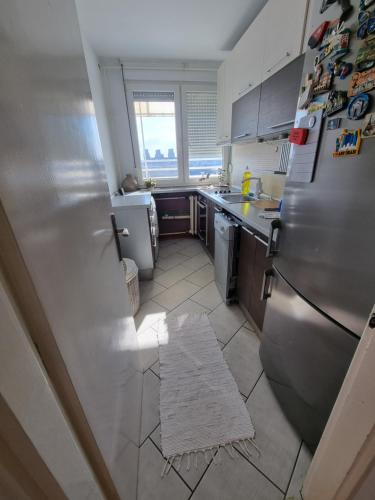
pixel 204 177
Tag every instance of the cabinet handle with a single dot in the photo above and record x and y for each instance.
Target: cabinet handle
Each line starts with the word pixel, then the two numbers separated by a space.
pixel 248 231
pixel 287 54
pixel 247 134
pixel 201 205
pixel 271 250
pixel 289 122
pixel 261 241
pixel 218 210
pixel 240 92
pixel 267 276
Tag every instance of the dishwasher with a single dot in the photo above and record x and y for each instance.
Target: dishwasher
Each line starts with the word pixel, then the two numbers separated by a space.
pixel 226 250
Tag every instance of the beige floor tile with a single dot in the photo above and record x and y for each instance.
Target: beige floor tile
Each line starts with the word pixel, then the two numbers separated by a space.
pixel 149 313
pixel 150 404
pixel 191 476
pixel 242 356
pixel 149 289
pixel 192 249
pixel 299 473
pixel 156 368
pixel 203 276
pixel 275 437
pixel 197 262
pixel 188 307
pixel 148 348
pixel 151 486
pixel 226 320
pixel 235 479
pixel 169 278
pixel 166 251
pixel 171 261
pixel 249 326
pixel 176 294
pixel 208 297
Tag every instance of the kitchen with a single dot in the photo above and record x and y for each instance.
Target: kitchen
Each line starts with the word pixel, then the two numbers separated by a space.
pixel 231 173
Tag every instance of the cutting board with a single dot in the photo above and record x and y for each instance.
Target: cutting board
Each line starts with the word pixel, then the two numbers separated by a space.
pixel 263 204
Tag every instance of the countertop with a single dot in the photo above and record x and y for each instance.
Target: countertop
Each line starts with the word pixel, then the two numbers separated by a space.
pixel 247 213
pixel 138 199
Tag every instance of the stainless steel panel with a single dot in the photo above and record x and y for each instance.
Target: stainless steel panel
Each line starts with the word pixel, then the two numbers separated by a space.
pixel 328 226
pixel 305 356
pixel 54 191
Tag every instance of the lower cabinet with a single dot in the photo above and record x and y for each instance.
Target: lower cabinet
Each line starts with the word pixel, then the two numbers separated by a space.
pixel 251 266
pixel 173 213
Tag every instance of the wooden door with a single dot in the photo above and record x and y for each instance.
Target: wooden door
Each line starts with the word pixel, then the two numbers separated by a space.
pixel 56 201
pixel 261 263
pixel 278 100
pixel 245 267
pixel 245 116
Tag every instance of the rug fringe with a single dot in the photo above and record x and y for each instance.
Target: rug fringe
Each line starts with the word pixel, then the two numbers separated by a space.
pixel 211 453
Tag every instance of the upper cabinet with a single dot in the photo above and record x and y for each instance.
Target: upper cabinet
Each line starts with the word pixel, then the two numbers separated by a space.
pixel 283 24
pixel 245 116
pixel 278 99
pixel 273 40
pixel 246 61
pixel 224 104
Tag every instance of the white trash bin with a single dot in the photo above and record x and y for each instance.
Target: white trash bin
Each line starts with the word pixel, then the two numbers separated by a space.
pixel 132 282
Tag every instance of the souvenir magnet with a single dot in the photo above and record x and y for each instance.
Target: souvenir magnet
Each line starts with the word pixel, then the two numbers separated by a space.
pixel 361 82
pixel 334 28
pixel 316 37
pixel 334 124
pixel 358 106
pixel 369 126
pixel 365 4
pixel 298 136
pixel 345 70
pixel 337 100
pixel 366 56
pixel 324 84
pixel 363 16
pixel 348 143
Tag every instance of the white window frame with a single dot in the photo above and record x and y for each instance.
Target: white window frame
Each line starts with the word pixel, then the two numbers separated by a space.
pixel 184 90
pixel 182 153
pixel 157 87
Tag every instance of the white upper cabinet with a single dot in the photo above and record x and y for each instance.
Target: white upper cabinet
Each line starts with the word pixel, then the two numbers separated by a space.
pixel 246 61
pixel 224 103
pixel 283 24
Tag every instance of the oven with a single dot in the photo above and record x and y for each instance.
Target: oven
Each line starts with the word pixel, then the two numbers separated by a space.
pixel 202 215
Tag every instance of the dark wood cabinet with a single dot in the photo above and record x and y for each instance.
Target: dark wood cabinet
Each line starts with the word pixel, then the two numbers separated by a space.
pixel 173 213
pixel 245 116
pixel 278 99
pixel 251 266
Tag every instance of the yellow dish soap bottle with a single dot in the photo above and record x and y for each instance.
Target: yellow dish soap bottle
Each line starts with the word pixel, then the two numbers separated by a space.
pixel 246 182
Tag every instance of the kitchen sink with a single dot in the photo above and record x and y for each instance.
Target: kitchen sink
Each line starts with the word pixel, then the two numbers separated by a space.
pixel 236 198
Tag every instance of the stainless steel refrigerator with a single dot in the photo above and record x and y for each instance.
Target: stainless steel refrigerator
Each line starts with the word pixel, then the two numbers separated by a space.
pixel 322 286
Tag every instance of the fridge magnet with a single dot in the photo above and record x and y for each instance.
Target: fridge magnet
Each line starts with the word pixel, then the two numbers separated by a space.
pixel 317 37
pixel 366 56
pixel 323 84
pixel 361 82
pixel 358 106
pixel 367 28
pixel 348 143
pixel 316 106
pixel 365 4
pixel 369 126
pixel 345 70
pixel 337 100
pixel 334 124
pixel 337 48
pixel 333 29
pixel 298 136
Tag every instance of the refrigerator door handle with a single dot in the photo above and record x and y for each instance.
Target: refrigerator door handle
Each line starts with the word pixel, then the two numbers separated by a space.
pixel 267 278
pixel 272 246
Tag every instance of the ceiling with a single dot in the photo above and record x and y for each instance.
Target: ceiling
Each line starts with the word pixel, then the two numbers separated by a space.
pixel 166 29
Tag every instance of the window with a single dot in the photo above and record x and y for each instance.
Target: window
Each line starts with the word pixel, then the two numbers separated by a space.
pixel 156 132
pixel 174 139
pixel 204 156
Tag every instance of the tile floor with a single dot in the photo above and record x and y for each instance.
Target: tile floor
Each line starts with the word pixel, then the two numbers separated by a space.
pixel 183 283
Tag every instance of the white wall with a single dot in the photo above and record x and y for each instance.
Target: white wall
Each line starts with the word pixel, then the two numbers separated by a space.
pixel 113 175
pixel 262 159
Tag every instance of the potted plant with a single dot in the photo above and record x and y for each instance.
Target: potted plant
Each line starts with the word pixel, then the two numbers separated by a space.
pixel 149 183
